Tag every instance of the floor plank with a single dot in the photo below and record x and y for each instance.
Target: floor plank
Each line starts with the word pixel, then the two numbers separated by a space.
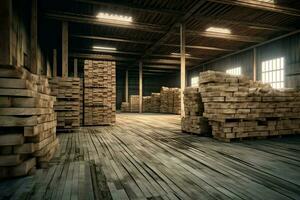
pixel 145 156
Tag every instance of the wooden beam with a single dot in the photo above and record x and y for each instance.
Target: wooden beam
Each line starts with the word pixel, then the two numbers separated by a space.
pixel 254 4
pixel 182 67
pixel 33 38
pixel 64 49
pixel 162 66
pixel 54 63
pixel 241 38
pixel 179 20
pixel 100 57
pixel 148 42
pixel 140 87
pixel 75 67
pixel 132 7
pixel 88 19
pixel 250 25
pixel 126 86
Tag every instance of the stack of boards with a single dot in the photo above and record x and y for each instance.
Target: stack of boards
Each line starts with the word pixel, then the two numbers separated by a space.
pixel 99 92
pixel 67 106
pixel 125 107
pixel 146 104
pixel 170 100
pixel 27 120
pixel 155 102
pixel 81 116
pixel 237 107
pixel 134 103
pixel 193 121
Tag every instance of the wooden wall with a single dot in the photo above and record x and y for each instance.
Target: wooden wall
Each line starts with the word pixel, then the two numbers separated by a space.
pixel 288 47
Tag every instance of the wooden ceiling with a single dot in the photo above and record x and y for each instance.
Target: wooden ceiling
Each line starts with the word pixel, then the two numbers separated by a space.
pixel 154 33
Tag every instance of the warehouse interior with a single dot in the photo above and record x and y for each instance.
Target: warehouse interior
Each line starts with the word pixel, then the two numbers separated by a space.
pixel 153 99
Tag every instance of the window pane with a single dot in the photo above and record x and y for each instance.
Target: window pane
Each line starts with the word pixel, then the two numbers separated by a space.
pixel 273 72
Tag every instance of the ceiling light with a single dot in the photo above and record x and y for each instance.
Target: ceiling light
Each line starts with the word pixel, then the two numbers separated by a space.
pixel 267 1
pixel 104 48
pixel 179 54
pixel 102 15
pixel 218 30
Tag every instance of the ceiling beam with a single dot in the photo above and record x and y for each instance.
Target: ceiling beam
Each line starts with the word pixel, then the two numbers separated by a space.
pixel 99 57
pixel 254 4
pixel 134 7
pixel 179 20
pixel 88 19
pixel 131 53
pixel 147 42
pixel 240 38
pixel 250 25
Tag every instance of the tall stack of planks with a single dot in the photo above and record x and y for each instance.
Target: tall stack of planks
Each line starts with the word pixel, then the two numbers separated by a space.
pixel 193 121
pixel 99 92
pixel 81 115
pixel 170 100
pixel 134 103
pixel 155 102
pixel 146 104
pixel 27 122
pixel 67 92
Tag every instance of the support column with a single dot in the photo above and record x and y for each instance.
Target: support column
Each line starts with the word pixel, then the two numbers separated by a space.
pixel 5 32
pixel 33 38
pixel 54 63
pixel 126 86
pixel 182 67
pixel 254 64
pixel 140 86
pixel 75 67
pixel 65 49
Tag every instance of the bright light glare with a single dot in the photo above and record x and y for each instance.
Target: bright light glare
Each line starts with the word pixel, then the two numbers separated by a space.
pixel 218 30
pixel 178 54
pixel 102 15
pixel 104 48
pixel 267 1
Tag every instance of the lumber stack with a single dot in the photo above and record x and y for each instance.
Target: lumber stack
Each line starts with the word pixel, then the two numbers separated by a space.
pixel 99 92
pixel 125 107
pixel 237 107
pixel 67 92
pixel 146 104
pixel 81 103
pixel 27 122
pixel 134 103
pixel 193 121
pixel 176 101
pixel 155 102
pixel 170 100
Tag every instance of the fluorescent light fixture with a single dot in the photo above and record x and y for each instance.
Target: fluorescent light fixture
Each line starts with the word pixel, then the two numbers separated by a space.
pixel 178 54
pixel 267 1
pixel 104 48
pixel 219 30
pixel 103 15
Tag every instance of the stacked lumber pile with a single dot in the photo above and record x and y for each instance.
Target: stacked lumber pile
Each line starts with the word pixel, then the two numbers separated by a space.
pixel 237 107
pixel 67 92
pixel 99 92
pixel 146 104
pixel 164 103
pixel 194 122
pixel 81 103
pixel 134 103
pixel 176 101
pixel 125 107
pixel 155 102
pixel 170 100
pixel 27 122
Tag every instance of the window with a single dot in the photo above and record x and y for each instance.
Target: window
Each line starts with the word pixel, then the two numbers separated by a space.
pixel 195 81
pixel 235 71
pixel 273 72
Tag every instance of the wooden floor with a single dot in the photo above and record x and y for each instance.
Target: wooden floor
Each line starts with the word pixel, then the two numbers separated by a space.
pixel 145 156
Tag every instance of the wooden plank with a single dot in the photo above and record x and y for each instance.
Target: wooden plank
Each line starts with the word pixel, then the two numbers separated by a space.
pixel 11 139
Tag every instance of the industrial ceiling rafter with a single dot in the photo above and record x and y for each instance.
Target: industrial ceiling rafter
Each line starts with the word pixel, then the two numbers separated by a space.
pixel 147 42
pixel 254 4
pixel 78 18
pixel 250 25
